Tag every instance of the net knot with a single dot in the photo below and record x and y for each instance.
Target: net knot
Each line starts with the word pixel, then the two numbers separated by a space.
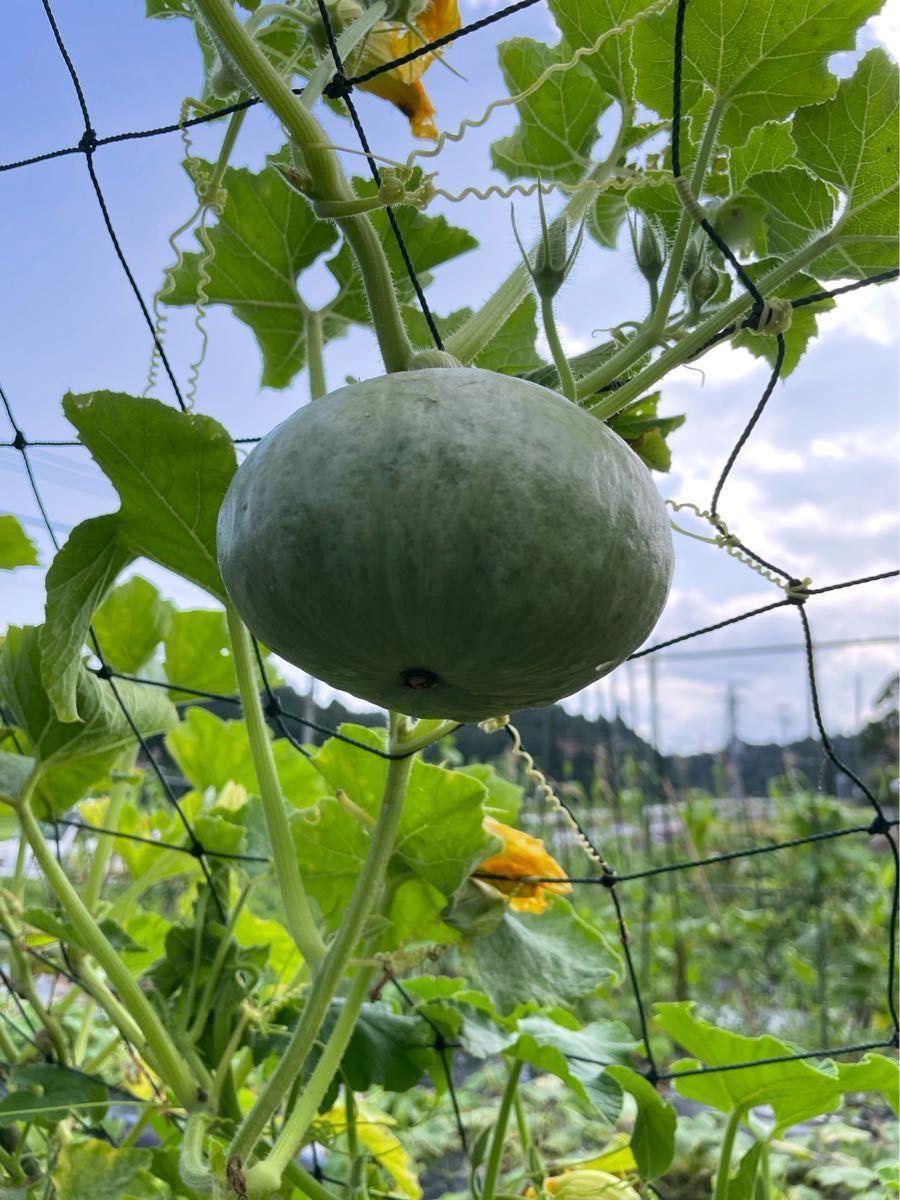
pixel 880 825
pixel 439 1045
pixel 196 849
pixel 651 1075
pixel 104 671
pixel 609 878
pixel 797 590
pixel 87 143
pixel 273 707
pixel 19 442
pixel 772 317
pixel 338 87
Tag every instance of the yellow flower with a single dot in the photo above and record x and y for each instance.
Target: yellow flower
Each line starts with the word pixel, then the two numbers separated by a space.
pixel 522 856
pixel 389 40
pixel 589 1185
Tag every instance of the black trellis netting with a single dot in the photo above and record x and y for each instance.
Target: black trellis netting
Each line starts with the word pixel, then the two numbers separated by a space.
pixel 796 594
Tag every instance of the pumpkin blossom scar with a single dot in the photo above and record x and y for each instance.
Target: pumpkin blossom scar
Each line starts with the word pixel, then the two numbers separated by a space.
pixel 402 85
pixel 522 869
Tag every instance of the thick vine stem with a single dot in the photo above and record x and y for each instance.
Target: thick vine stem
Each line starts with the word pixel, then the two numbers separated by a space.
pixel 315 357
pixel 300 921
pixel 159 1046
pixel 331 971
pixel 324 170
pixel 692 343
pixel 495 1154
pixel 192 1166
pixel 734 1120
pixel 290 1139
pixel 566 378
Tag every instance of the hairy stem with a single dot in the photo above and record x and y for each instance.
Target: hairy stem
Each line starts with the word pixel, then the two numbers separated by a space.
pixel 331 970
pixel 328 179
pixel 106 843
pixel 692 343
pixel 159 1046
pixel 300 921
pixel 290 1139
pixel 315 359
pixel 563 370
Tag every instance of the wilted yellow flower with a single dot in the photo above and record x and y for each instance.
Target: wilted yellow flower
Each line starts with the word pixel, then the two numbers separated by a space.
pixel 587 1184
pixel 522 855
pixel 391 39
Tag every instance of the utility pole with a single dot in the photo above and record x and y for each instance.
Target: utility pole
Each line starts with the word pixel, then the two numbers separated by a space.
pixel 734 748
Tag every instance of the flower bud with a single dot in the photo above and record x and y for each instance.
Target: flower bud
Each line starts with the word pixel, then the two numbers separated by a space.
pixel 648 242
pixel 703 285
pixel 693 252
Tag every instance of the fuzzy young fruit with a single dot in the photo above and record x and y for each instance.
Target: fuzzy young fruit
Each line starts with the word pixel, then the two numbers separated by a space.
pixel 446 543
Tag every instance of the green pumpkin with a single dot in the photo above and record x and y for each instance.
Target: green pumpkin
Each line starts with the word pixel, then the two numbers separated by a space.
pixel 447 543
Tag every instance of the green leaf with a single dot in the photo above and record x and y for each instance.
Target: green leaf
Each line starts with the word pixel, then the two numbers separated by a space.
pixel 759 62
pixel 510 351
pixel 62 929
pixel 16 547
pixel 504 798
pixel 103 1172
pixel 578 1056
pixel 742 1185
pixel 605 217
pixel 198 653
pixel 331 845
pixel 71 756
pixel 555 958
pixel 768 148
pixel 645 432
pixel 130 624
pixel 386 1049
pixel 15 771
pixel 851 143
pixel 46 1093
pixel 80 577
pixel 653 1137
pixel 441 835
pixel 582 22
pixel 429 240
pixel 558 121
pixel 800 207
pixel 265 237
pixel 796 1091
pixel 804 322
pixel 171 470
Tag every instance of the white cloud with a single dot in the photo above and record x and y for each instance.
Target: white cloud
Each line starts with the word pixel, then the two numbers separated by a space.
pixel 886 27
pixel 871 314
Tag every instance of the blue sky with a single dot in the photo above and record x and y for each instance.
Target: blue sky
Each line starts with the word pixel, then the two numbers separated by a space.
pixel 816 487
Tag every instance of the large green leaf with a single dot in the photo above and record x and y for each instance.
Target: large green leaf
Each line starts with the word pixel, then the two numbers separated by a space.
pixel 796 1090
pixel 768 148
pixel 799 207
pixel 555 958
pixel 15 771
pixel 578 1056
pixel 558 121
pixel 510 351
pixel 653 1137
pixel 441 835
pixel 16 547
pixel 265 237
pixel 429 240
pixel 582 23
pixel 851 143
pixel 198 653
pixel 171 470
pixel 212 752
pixel 73 755
pixel 331 845
pixel 80 576
pixel 130 624
pixel 759 62
pixel 103 1172
pixel 47 1092
pixel 386 1048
